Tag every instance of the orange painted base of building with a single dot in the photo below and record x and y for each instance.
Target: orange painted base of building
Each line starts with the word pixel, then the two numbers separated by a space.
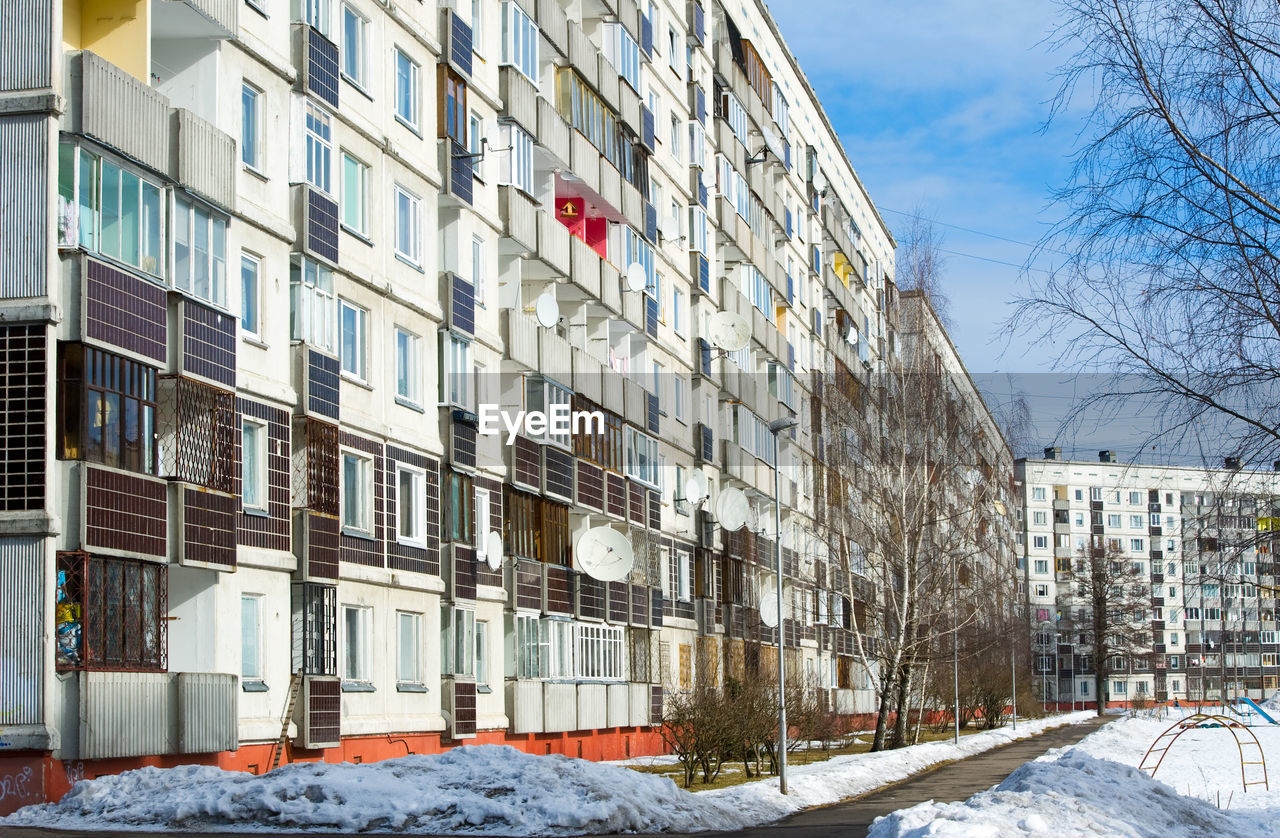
pixel 28 777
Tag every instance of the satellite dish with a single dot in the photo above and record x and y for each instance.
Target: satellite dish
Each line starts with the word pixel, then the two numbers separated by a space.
pixel 708 179
pixel 732 509
pixel 670 229
pixel 729 330
pixel 548 310
pixel 773 141
pixel 695 488
pixel 636 277
pixel 604 553
pixel 769 606
pixel 493 550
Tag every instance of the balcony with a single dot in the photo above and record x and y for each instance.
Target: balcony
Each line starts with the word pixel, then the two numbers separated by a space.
pixel 114 107
pixel 584 268
pixel 206 160
pixel 519 215
pixel 553 131
pixel 520 337
pixel 587 376
pixel 519 97
pixel 124 714
pixel 553 24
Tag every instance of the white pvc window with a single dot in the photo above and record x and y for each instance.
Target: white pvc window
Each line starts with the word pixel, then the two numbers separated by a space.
pixel 199 251
pixel 313 304
pixel 519 41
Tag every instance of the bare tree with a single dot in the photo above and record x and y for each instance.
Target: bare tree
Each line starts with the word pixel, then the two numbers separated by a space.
pixel 1171 223
pixel 909 494
pixel 1105 601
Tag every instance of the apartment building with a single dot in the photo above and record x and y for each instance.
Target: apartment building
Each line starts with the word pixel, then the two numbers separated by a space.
pixel 1202 538
pixel 265 265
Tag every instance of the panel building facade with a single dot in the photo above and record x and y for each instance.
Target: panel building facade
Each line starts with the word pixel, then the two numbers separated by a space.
pixel 1200 541
pixel 263 266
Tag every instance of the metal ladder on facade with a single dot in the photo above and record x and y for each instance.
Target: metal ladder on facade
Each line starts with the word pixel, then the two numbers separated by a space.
pixel 295 689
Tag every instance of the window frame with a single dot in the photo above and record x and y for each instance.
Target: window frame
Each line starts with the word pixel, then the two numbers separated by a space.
pixel 359 369
pixel 363 523
pixel 262 478
pixel 321 300
pixel 360 80
pixel 412 358
pixel 361 645
pixel 414 204
pixel 251 303
pixel 416 503
pixel 520 41
pixel 318 136
pixel 413 118
pixel 457 641
pixel 251 639
pixel 85 378
pixel 198 214
pixel 361 204
pixel 457 386
pixel 413 621
pixel 251 126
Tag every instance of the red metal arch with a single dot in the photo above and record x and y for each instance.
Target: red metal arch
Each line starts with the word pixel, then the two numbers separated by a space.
pixel 1204 721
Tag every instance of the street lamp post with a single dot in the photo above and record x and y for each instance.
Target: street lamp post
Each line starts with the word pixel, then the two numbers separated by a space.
pixel 776 427
pixel 955 652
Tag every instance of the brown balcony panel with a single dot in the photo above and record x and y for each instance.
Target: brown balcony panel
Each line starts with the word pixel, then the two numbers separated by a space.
pixel 559 597
pixel 125 512
pixel 122 311
pixel 208 528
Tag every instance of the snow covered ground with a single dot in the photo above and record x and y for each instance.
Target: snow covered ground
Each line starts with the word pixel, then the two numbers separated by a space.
pixel 1094 788
pixel 476 790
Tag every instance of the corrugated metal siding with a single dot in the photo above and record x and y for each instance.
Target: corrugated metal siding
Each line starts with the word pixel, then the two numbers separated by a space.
pixel 24 213
pixel 124 714
pixel 619 705
pixel 524 703
pixel 560 707
pixel 639 704
pixel 26 45
pixel 593 706
pixel 122 112
pixel 207 712
pixel 206 159
pixel 22 567
pixel 221 12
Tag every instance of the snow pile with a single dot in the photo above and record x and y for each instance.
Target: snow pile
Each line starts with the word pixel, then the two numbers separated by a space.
pixel 1094 788
pixel 1074 795
pixel 1272 703
pixel 476 790
pixel 841 777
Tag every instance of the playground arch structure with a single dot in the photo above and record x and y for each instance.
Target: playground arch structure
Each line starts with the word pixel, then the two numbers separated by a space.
pixel 1204 721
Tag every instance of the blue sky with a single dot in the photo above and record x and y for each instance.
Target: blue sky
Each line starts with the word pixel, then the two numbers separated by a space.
pixel 942 106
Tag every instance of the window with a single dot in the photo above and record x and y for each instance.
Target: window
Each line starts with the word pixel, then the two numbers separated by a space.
pixel 680 393
pixel 408 225
pixel 599 651
pixel 530 642
pixel 453 119
pixel 317 13
pixel 108 409
pixel 673 51
pixel 683 571
pixel 675 136
pixel 477 19
pixel 457 641
pixel 455 371
pixel 1042 590
pixel 353 322
pixel 319 147
pixel 519 170
pixel 642 456
pixel 476 148
pixel 1137 522
pixel 482 513
pixel 357 493
pixel 253 464
pixel 1135 498
pixel 313 305
pixel 482 654
pixel 355 183
pixel 410 505
pixel 458 499
pixel 409 653
pixel 1113 521
pixel 623 53
pixel 408 351
pixel 199 251
pixel 1040 542
pixel 354 59
pixel 120 213
pixel 1095 493
pixel 250 637
pixel 1137 545
pixel 1040 517
pixel 1042 566
pixel 249 270
pixel 559 663
pixel 736 115
pixel 1119 687
pixel 1038 493
pixel 121 621
pixel 698 230
pixel 519 41
pixel 407 89
pixel 357 649
pixel 477 269
pixel 250 126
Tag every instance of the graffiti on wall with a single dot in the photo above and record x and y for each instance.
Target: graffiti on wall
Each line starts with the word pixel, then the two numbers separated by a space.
pixel 21 784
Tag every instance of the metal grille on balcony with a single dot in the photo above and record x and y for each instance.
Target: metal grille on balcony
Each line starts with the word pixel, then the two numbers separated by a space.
pixel 315 466
pixel 197 437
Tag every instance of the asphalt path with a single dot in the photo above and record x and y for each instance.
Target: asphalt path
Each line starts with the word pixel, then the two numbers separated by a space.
pixel 950 782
